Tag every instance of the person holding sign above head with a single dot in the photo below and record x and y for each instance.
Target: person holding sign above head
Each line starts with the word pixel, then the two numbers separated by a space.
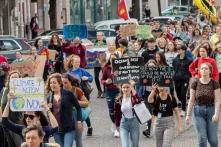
pixel 62 102
pixel 124 115
pixel 144 92
pixel 30 118
pixel 45 52
pixel 205 102
pixel 111 89
pixel 165 106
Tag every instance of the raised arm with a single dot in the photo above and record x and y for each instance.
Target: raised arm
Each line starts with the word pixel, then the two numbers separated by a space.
pixel 52 119
pixel 152 94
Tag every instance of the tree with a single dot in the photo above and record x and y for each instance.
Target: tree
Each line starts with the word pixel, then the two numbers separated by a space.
pixel 159 7
pixel 52 14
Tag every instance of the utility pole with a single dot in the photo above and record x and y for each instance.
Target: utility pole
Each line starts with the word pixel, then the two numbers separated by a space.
pixel 159 7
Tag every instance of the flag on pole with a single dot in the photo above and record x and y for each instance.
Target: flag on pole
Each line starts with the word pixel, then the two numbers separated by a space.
pixel 122 10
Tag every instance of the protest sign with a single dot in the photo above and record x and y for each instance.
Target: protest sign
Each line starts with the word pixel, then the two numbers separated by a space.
pixel 126 69
pixel 163 76
pixel 143 32
pixel 73 31
pixel 40 65
pixel 94 56
pixel 52 54
pixel 29 94
pixel 128 30
pixel 24 67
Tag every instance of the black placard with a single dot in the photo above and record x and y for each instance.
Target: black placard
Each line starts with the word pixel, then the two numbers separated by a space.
pixel 126 69
pixel 163 76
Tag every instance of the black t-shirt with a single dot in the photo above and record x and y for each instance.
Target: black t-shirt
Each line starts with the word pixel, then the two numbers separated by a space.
pixel 164 108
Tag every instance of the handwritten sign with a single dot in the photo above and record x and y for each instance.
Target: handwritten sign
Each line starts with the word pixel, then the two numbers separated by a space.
pixel 143 32
pixel 126 69
pixel 29 94
pixel 128 30
pixel 73 31
pixel 163 76
pixel 40 65
pixel 24 67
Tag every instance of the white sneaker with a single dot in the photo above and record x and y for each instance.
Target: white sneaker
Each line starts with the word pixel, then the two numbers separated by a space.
pixel 116 134
pixel 112 127
pixel 182 113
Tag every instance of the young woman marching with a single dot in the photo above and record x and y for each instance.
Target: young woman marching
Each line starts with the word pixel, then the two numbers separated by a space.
pixel 205 102
pixel 164 108
pixel 124 116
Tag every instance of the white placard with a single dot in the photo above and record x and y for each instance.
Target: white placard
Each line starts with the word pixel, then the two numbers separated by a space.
pixel 29 94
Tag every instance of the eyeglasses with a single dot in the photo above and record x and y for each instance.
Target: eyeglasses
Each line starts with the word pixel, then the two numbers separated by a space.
pixel 30 116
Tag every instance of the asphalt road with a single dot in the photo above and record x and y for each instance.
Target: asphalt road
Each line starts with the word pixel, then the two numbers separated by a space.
pixel 103 137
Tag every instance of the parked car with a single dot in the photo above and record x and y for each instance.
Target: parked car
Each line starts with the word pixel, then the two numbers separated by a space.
pixel 166 19
pixel 111 24
pixel 9 45
pixel 176 10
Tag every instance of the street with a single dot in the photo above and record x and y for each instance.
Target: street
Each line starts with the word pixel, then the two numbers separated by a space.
pixel 102 136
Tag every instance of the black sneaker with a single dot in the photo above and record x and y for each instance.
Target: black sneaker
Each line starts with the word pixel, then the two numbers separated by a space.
pixel 99 94
pixel 146 133
pixel 89 131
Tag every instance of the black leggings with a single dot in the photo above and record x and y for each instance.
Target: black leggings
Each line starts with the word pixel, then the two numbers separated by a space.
pixel 96 78
pixel 181 90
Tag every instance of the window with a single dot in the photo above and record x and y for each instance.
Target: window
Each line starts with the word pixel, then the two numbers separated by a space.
pixel 183 9
pixel 9 45
pixel 102 27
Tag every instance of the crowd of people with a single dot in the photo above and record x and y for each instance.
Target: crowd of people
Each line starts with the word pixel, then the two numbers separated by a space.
pixel 192 47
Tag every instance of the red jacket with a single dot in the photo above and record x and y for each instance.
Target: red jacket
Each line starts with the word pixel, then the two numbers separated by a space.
pixel 4 63
pixel 194 66
pixel 117 107
pixel 107 73
pixel 79 50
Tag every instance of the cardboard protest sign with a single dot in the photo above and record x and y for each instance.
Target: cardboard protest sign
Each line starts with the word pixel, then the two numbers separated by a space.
pixel 24 67
pixel 73 31
pixel 126 69
pixel 143 32
pixel 52 54
pixel 128 30
pixel 163 76
pixel 28 57
pixel 94 56
pixel 29 94
pixel 40 65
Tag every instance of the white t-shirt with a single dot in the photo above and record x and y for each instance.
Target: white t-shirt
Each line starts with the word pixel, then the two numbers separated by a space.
pixel 126 107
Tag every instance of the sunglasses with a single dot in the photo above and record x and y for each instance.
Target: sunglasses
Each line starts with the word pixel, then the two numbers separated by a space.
pixel 30 116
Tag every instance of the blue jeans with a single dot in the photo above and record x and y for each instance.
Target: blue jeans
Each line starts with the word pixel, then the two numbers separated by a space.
pixel 205 128
pixel 110 97
pixel 78 133
pixel 129 132
pixel 65 139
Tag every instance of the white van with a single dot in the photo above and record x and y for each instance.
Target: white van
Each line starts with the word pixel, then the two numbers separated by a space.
pixel 111 24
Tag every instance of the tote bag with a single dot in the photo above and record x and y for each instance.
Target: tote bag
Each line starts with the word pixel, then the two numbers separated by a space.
pixel 141 112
